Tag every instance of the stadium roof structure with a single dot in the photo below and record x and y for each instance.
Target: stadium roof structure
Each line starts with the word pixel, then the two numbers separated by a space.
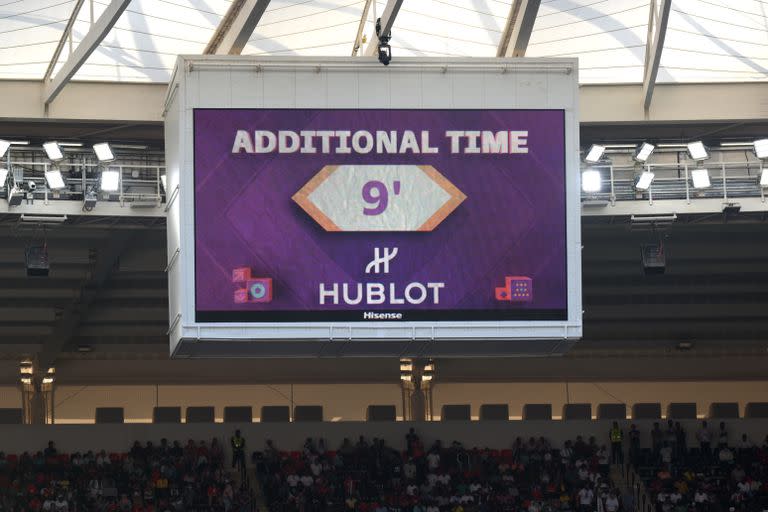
pixel 89 69
pixel 616 41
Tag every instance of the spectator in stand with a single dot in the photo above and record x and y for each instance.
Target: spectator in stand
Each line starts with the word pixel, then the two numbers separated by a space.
pixel 238 451
pixel 725 456
pixel 616 436
pixel 586 499
pixel 722 436
pixel 50 452
pixel 681 442
pixel 704 436
pixel 657 438
pixel 634 444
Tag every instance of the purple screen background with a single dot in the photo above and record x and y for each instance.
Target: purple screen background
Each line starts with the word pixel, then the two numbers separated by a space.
pixel 512 223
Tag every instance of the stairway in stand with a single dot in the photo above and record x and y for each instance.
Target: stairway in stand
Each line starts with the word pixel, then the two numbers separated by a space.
pixel 259 502
pixel 626 492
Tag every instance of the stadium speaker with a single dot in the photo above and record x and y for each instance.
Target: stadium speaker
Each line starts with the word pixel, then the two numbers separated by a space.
pixel 36 257
pixel 654 260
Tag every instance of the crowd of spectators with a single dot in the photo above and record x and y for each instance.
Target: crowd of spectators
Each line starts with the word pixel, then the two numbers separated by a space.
pixel 708 471
pixel 371 476
pixel 167 477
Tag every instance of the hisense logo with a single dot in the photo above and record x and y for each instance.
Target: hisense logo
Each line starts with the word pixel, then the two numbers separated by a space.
pixel 373 315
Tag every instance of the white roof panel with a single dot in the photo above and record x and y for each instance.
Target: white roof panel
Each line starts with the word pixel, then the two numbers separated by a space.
pixel 706 41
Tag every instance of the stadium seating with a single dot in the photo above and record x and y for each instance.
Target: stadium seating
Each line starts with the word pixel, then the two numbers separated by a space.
pixel 166 477
pixel 370 476
pixel 728 475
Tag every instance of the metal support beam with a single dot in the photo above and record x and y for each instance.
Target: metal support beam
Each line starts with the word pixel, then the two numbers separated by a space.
pixel 517 32
pixel 361 27
pixel 66 327
pixel 66 35
pixel 236 27
pixel 387 20
pixel 87 46
pixel 659 21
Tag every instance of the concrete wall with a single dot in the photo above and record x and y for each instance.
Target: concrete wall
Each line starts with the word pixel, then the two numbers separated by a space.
pixel 348 402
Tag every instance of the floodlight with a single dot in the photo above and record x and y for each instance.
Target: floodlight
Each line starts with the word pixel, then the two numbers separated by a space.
pixel 698 151
pixel 761 148
pixel 764 178
pixel 644 180
pixel 110 181
pixel 4 145
pixel 103 152
pixel 700 178
pixel 591 181
pixel 54 179
pixel 3 176
pixel 643 152
pixel 53 150
pixel 594 154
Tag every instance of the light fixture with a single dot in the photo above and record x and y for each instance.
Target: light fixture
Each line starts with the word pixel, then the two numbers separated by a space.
pixel 405 377
pixel 90 198
pixel 103 152
pixel 3 176
pixel 698 151
pixel 426 377
pixel 406 367
pixel 594 154
pixel 53 150
pixel 15 196
pixel 735 144
pixel 164 181
pixel 764 178
pixel 761 148
pixel 700 178
pixel 54 179
pixel 644 180
pixel 4 145
pixel 643 152
pixel 26 380
pixel 591 181
pixel 110 180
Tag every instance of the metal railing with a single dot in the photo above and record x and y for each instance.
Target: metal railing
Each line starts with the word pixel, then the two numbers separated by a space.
pixel 138 183
pixel 728 180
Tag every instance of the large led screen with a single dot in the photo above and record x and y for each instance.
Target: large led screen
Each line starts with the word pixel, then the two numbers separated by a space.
pixel 364 215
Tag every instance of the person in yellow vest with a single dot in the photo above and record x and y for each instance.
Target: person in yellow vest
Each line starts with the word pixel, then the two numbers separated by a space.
pixel 238 451
pixel 617 451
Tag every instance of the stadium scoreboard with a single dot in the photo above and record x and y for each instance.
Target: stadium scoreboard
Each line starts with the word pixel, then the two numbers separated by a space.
pixel 343 208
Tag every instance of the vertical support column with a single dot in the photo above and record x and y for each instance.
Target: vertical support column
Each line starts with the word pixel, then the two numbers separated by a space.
pixel 416 384
pixel 37 395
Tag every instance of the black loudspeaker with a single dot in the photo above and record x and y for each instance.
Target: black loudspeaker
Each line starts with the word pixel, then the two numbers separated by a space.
pixel 36 257
pixel 654 261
